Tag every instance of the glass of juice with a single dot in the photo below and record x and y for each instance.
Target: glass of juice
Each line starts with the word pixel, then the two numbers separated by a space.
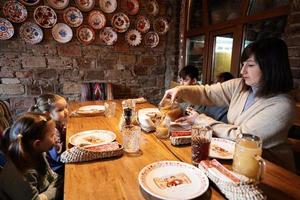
pixel 201 138
pixel 247 156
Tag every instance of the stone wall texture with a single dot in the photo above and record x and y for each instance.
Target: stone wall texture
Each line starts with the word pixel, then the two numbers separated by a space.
pixel 28 70
pixel 292 38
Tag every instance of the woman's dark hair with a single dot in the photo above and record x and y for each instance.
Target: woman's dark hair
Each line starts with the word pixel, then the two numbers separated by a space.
pixel 190 71
pixel 18 139
pixel 271 54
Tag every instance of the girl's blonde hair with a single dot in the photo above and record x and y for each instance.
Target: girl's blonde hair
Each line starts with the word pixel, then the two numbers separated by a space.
pixel 45 103
pixel 18 139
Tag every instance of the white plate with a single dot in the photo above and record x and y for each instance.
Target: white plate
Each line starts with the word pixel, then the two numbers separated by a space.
pixel 62 33
pixel 154 179
pixel 108 6
pixel 221 148
pixel 92 109
pixel 92 137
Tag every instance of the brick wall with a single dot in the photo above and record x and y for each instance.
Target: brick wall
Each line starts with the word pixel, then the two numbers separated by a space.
pixel 28 70
pixel 292 38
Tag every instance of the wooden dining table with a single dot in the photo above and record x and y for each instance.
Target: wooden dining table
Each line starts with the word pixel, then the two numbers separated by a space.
pixel 117 177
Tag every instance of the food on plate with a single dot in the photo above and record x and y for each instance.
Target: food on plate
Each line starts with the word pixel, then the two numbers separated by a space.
pixel 171 180
pixel 103 147
pixel 219 150
pixel 93 140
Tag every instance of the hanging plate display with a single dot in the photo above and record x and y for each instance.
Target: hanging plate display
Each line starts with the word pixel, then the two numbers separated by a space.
pixel 142 24
pixel 45 16
pixel 62 33
pixel 96 19
pixel 31 33
pixel 130 6
pixel 85 5
pixel 151 39
pixel 152 7
pixel 85 34
pixel 6 29
pixel 30 2
pixel 73 17
pixel 108 6
pixel 15 11
pixel 161 26
pixel 58 4
pixel 108 36
pixel 120 22
pixel 133 37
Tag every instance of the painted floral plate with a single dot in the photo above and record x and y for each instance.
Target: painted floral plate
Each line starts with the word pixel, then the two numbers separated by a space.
pixel 58 4
pixel 142 24
pixel 45 16
pixel 120 22
pixel 96 19
pixel 73 17
pixel 62 33
pixel 85 34
pixel 161 26
pixel 108 6
pixel 14 11
pixel 6 29
pixel 151 39
pixel 85 5
pixel 108 36
pixel 31 33
pixel 30 2
pixel 130 6
pixel 133 37
pixel 152 7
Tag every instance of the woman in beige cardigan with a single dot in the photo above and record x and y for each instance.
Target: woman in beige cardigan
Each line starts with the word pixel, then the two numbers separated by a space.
pixel 258 102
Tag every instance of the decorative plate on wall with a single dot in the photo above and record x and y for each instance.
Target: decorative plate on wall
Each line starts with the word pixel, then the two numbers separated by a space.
pixel 151 39
pixel 30 2
pixel 152 7
pixel 15 11
pixel 45 16
pixel 62 33
pixel 130 6
pixel 142 24
pixel 85 34
pixel 73 17
pixel 161 26
pixel 108 6
pixel 120 22
pixel 133 37
pixel 96 19
pixel 108 36
pixel 31 33
pixel 85 5
pixel 58 4
pixel 6 29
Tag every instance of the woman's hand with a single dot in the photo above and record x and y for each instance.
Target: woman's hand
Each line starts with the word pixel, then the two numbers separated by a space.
pixel 190 118
pixel 169 94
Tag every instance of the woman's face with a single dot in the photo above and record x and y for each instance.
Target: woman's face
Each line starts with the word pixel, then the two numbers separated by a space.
pixel 251 72
pixel 60 112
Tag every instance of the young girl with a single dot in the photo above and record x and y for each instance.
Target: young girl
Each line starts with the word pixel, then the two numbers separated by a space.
pixel 25 144
pixel 57 108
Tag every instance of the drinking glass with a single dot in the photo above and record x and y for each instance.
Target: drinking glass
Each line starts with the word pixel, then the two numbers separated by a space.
pixel 201 138
pixel 247 156
pixel 131 138
pixel 110 109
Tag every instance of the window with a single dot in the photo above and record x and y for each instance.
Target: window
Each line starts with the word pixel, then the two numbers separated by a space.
pixel 218 30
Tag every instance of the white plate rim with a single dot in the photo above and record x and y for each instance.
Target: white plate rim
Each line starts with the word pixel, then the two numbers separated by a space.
pixel 100 110
pixel 222 140
pixel 149 166
pixel 87 132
